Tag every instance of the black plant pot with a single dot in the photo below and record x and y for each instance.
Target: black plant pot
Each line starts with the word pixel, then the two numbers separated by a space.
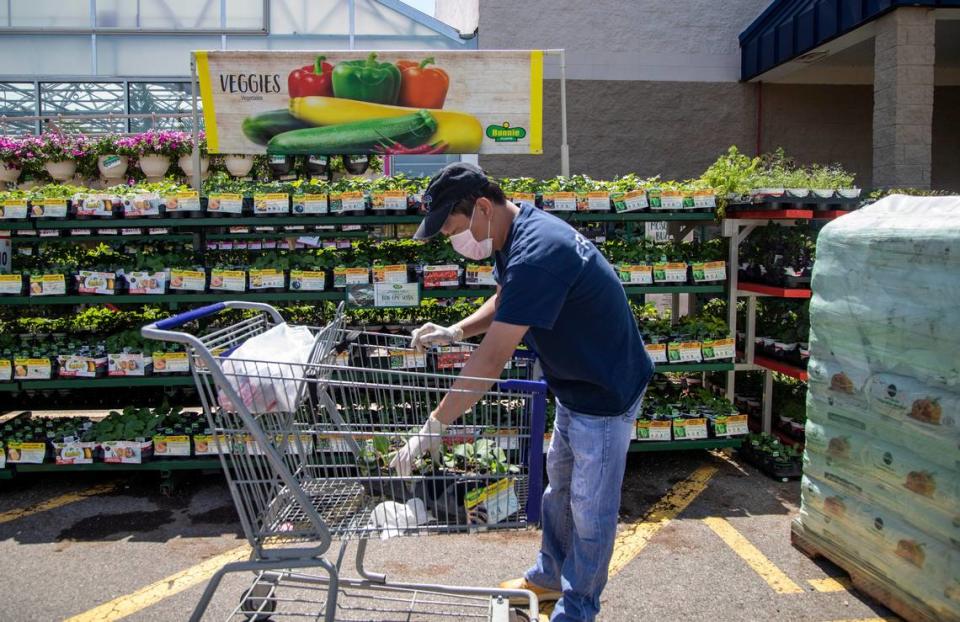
pixel 356 164
pixel 317 165
pixel 281 165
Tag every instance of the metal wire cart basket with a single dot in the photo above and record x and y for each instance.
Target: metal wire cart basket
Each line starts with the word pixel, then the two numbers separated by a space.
pixel 305 447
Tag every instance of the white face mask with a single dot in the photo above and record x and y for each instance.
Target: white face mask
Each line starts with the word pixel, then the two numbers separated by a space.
pixel 468 246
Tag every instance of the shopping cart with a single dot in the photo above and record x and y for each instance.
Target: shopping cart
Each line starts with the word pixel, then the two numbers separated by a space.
pixel 316 471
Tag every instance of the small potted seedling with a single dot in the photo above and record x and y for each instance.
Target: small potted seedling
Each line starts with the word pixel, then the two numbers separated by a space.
pixel 310 197
pixel 559 194
pixel 388 195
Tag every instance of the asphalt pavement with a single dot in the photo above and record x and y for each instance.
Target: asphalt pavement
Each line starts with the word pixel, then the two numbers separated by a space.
pixel 702 537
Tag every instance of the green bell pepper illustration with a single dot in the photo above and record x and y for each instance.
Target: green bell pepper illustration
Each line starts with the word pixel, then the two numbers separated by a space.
pixel 367 80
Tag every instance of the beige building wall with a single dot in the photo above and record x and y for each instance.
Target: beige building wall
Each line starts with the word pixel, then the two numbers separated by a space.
pixel 652 88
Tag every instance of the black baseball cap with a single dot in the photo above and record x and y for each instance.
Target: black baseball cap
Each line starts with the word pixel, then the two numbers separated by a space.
pixel 454 182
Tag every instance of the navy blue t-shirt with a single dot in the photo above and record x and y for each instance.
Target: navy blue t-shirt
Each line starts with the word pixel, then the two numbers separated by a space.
pixel 556 282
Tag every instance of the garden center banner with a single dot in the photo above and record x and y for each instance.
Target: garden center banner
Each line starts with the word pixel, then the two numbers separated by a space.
pixel 351 102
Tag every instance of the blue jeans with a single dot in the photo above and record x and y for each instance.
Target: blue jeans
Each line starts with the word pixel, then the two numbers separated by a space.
pixel 585 463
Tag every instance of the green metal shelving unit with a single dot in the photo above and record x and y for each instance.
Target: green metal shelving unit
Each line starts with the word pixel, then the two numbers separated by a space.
pixel 79 299
pixel 707 443
pixel 206 229
pixel 359 219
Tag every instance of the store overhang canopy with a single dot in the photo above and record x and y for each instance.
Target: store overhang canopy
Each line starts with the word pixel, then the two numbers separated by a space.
pixel 799 31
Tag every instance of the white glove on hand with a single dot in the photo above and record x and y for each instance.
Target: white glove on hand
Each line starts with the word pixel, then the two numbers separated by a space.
pixel 432 335
pixel 428 439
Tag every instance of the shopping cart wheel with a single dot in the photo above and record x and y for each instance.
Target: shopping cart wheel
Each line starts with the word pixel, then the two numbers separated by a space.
pixel 257 602
pixel 518 615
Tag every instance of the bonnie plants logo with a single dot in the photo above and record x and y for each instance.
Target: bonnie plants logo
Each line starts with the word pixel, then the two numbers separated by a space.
pixel 504 133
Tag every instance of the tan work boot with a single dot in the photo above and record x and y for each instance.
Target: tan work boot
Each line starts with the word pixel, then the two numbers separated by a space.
pixel 543 594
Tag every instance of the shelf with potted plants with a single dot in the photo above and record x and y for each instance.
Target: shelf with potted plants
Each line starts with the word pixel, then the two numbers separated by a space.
pixel 67 273
pixel 778 451
pixel 774 254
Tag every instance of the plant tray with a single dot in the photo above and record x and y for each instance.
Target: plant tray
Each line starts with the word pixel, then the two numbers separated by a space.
pixel 776 470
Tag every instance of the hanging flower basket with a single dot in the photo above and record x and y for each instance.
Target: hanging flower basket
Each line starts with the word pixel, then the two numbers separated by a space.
pixel 61 170
pixel 155 149
pixel 154 166
pixel 112 166
pixel 238 165
pixel 9 172
pixel 19 156
pixel 186 164
pixel 62 153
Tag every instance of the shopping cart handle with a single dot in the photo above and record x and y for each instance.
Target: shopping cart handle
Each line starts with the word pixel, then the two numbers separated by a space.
pixel 188 316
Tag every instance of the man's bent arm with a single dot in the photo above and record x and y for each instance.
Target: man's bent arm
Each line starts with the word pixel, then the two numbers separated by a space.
pixel 487 361
pixel 480 320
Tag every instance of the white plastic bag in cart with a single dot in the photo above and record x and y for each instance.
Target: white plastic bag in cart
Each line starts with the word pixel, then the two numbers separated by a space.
pixel 267 370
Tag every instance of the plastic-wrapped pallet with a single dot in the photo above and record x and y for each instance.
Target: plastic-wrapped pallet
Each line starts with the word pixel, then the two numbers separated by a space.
pixel 882 461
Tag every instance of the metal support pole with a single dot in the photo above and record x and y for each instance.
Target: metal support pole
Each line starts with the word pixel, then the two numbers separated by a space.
pixel 564 147
pixel 733 261
pixel 352 20
pixel 196 123
pixel 751 330
pixel 767 401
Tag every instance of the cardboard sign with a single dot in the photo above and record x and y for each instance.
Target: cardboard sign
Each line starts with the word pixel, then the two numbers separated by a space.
pixel 480 275
pixel 709 271
pixel 190 280
pixel 657 352
pixel 12 209
pixel 11 283
pixel 633 201
pixel 310 204
pixel 276 203
pixel 266 279
pixel 390 274
pixel 497 96
pixel 389 200
pixel 441 276
pixel 31 369
pixel 182 202
pixel 560 202
pixel 48 285
pixel 72 366
pixel 343 202
pixel 686 352
pixel 127 364
pixel 396 295
pixel 228 280
pixel 146 282
pixel 170 363
pixel 225 203
pixel 635 275
pixel 308 281
pixel 49 208
pixel 142 205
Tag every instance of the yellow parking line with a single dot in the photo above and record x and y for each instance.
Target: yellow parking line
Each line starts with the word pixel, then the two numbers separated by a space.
pixel 631 540
pixel 830 584
pixel 774 577
pixel 55 502
pixel 629 543
pixel 155 592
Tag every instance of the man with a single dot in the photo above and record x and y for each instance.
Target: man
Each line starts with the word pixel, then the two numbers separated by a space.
pixel 556 292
